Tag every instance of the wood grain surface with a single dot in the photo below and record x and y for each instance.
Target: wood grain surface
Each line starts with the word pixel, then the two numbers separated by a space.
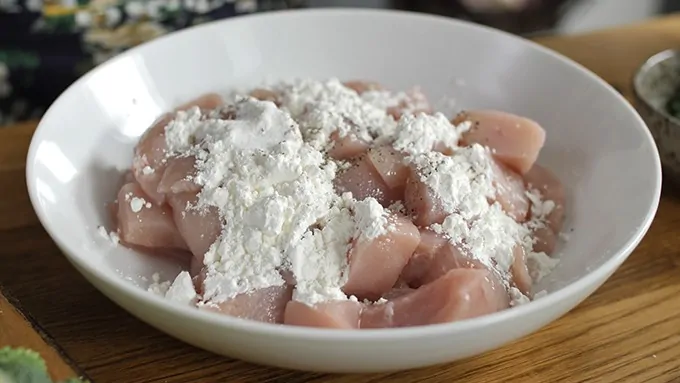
pixel 17 331
pixel 628 331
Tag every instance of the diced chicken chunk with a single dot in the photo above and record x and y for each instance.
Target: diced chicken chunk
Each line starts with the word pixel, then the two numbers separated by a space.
pixel 545 240
pixel 346 147
pixel 200 227
pixel 421 203
pixel 363 86
pixel 149 161
pixel 177 177
pixel 519 270
pixel 144 223
pixel 551 189
pixel 363 181
pixel 264 305
pixel 265 95
pixel 333 314
pixel 389 163
pixel 510 192
pixel 459 294
pixel 375 264
pixel 433 258
pixel 515 141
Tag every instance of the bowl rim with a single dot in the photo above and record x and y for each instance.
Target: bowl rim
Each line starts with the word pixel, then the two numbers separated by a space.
pixel 352 336
pixel 649 63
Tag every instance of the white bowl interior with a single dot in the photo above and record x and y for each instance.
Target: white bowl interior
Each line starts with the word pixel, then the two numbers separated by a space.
pixel 596 142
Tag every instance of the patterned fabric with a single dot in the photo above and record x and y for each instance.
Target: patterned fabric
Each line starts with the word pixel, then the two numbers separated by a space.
pixel 45 45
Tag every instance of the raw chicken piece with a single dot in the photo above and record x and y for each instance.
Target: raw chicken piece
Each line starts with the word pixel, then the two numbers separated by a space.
pixel 414 103
pixel 421 202
pixel 264 305
pixel 346 147
pixel 551 189
pixel 363 181
pixel 207 101
pixel 434 257
pixel 389 163
pixel 199 228
pixel 510 192
pixel 375 264
pixel 177 177
pixel 149 162
pixel 397 292
pixel 459 294
pixel 545 240
pixel 362 86
pixel 112 210
pixel 148 225
pixel 333 314
pixel 515 141
pixel 519 270
pixel 265 95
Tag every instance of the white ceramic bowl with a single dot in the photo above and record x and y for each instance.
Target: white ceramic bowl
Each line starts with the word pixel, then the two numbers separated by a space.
pixel 596 143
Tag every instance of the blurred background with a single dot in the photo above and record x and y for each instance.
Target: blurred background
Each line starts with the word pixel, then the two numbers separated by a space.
pixel 528 17
pixel 45 45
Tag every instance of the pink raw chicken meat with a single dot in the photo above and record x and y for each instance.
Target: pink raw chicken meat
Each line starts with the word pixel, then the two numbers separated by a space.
pixel 510 192
pixel 375 264
pixel 434 257
pixel 177 177
pixel 519 270
pixel 363 86
pixel 332 314
pixel 363 181
pixel 264 305
pixel 265 95
pixel 459 294
pixel 515 141
pixel 551 189
pixel 421 203
pixel 149 162
pixel 199 228
pixel 545 240
pixel 346 147
pixel 152 226
pixel 389 163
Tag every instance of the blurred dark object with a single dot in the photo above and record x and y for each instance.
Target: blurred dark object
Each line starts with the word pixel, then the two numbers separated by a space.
pixel 518 17
pixel 670 6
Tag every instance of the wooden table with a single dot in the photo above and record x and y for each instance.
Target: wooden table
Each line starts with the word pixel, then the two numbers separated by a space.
pixel 628 331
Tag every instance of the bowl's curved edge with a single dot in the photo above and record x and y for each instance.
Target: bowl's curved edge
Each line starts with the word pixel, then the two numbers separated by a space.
pixel 354 336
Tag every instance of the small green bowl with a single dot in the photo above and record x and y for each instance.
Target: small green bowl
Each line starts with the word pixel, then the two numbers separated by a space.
pixel 654 83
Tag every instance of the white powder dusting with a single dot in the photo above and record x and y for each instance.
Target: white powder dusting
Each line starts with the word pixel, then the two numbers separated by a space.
pixel 182 289
pixel 158 287
pixel 267 184
pixel 408 102
pixel 264 169
pixel 325 107
pixel 110 236
pixel 462 182
pixel 421 133
pixel 540 265
pixel 371 219
pixel 136 204
pixel 319 259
